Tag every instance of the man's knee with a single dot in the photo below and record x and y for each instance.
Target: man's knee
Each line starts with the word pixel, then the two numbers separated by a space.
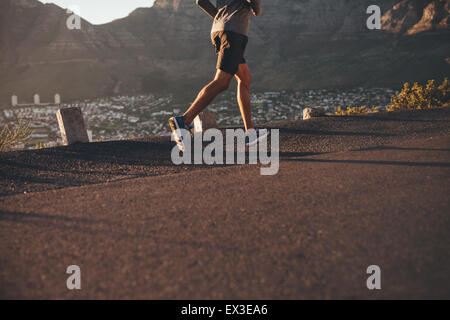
pixel 222 83
pixel 244 77
pixel 245 81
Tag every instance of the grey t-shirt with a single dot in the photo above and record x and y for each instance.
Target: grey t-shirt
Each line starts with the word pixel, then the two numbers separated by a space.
pixel 232 15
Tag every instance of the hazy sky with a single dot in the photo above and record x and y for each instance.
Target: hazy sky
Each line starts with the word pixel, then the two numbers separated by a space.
pixel 102 11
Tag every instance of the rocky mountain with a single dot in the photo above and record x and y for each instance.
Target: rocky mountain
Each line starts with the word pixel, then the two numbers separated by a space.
pixel 413 17
pixel 295 44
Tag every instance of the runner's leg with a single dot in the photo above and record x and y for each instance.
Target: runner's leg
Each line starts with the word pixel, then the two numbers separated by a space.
pixel 244 78
pixel 207 95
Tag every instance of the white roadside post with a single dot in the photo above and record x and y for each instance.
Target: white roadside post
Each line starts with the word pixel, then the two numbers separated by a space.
pixel 14 101
pixel 309 113
pixel 205 121
pixel 71 125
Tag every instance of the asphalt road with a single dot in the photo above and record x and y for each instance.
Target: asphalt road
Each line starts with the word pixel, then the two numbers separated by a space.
pixel 78 165
pixel 351 192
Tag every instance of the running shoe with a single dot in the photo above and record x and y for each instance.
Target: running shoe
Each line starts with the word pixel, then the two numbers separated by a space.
pixel 179 129
pixel 256 136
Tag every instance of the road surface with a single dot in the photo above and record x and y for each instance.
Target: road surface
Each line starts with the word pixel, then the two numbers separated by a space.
pixel 351 192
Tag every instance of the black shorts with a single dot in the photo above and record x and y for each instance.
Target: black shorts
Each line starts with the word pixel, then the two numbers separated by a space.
pixel 230 48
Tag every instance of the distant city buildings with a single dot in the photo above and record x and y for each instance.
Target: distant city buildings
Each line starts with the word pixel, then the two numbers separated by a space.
pixel 121 117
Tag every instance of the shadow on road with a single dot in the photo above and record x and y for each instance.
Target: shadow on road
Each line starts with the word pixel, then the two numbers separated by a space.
pixel 376 162
pixel 389 118
pixel 333 133
pixel 101 162
pixel 83 225
pixel 401 149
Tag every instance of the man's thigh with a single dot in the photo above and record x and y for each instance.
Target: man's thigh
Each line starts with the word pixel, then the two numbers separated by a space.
pixel 230 48
pixel 223 76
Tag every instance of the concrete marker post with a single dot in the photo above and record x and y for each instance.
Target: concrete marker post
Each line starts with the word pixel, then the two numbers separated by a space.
pixel 72 126
pixel 205 121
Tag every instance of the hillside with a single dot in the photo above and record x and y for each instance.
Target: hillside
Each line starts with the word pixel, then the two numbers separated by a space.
pixel 295 44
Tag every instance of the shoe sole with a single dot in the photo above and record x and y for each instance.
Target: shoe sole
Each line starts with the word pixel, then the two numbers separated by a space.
pixel 174 127
pixel 259 139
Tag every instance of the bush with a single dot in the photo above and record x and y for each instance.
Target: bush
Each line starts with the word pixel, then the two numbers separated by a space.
pixel 417 97
pixel 9 138
pixel 355 110
pixel 39 146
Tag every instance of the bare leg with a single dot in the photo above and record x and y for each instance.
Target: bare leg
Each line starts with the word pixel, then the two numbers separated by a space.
pixel 243 95
pixel 207 95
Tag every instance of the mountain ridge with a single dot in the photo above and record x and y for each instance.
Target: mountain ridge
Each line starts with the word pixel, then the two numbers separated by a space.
pixel 295 44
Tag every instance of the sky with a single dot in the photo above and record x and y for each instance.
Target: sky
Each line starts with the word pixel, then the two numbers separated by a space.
pixel 102 11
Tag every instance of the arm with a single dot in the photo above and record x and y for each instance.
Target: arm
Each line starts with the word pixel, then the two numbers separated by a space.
pixel 207 7
pixel 255 6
